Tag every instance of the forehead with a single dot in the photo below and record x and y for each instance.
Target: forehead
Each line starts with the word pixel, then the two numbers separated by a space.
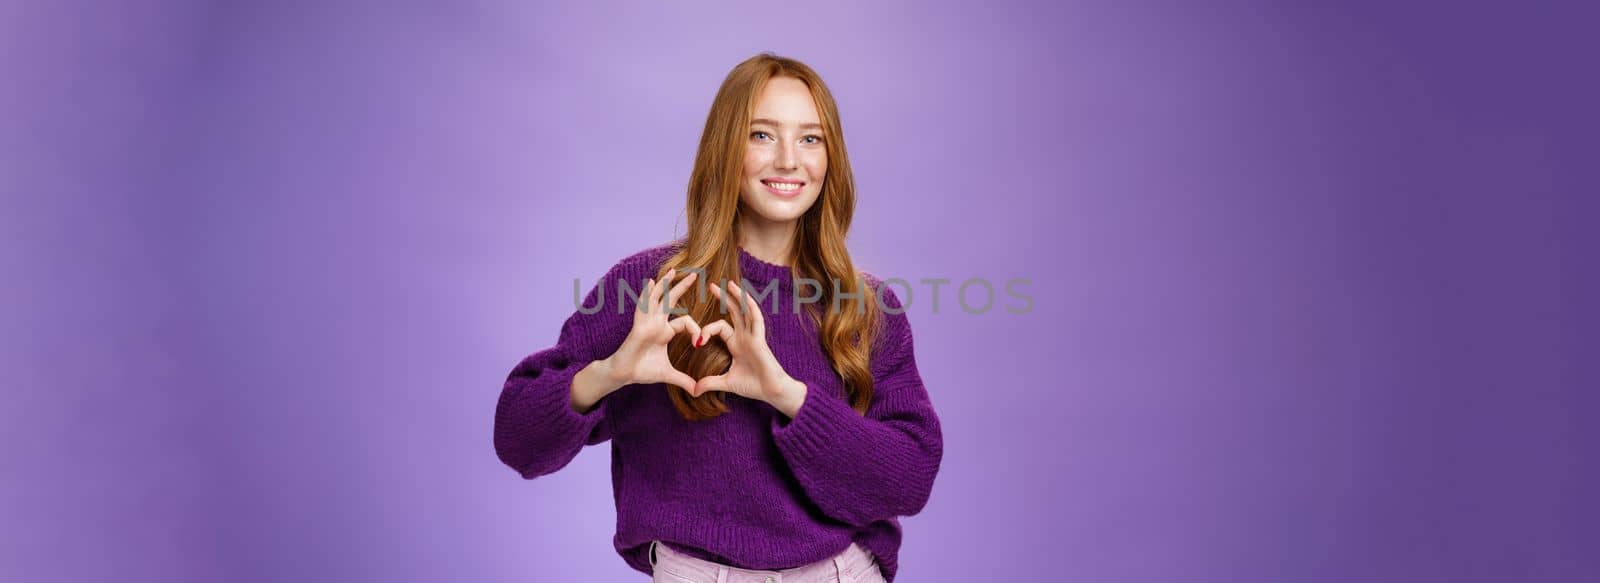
pixel 786 100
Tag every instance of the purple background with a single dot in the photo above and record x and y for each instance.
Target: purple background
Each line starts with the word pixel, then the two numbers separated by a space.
pixel 1307 279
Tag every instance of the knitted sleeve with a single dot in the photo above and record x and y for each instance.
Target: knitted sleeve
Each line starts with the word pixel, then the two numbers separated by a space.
pixel 536 431
pixel 857 469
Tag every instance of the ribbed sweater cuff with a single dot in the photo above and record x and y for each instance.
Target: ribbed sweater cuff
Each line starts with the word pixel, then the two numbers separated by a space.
pixel 821 424
pixel 549 428
pixel 555 400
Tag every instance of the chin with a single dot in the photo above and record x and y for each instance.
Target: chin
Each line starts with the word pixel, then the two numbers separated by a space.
pixel 775 209
pixel 779 212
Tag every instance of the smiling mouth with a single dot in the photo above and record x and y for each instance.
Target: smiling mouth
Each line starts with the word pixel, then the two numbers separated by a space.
pixel 783 186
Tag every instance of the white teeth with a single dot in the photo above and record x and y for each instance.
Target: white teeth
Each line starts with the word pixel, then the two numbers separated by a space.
pixel 783 185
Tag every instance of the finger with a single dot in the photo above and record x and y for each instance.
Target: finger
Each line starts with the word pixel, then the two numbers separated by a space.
pixel 752 309
pixel 717 328
pixel 677 290
pixel 642 304
pixel 729 305
pixel 711 383
pixel 682 324
pixel 658 290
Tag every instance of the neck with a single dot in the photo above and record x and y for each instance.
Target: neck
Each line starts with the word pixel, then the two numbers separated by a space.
pixel 766 240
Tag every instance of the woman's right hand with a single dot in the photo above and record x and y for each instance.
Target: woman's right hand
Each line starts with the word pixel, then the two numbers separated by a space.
pixel 642 358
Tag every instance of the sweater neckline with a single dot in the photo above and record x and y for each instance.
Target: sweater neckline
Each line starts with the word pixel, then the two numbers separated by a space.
pixel 760 272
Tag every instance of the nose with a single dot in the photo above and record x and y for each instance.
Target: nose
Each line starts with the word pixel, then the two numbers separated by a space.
pixel 787 160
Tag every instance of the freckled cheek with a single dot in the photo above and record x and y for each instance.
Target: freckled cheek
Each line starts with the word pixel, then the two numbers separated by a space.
pixel 754 162
pixel 817 167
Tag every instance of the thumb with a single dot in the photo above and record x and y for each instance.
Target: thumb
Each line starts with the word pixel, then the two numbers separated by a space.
pixel 711 383
pixel 678 378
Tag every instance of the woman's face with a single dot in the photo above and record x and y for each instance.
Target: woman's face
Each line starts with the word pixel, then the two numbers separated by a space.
pixel 785 159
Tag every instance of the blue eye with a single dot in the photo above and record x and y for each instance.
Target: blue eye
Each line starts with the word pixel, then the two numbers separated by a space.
pixel 809 140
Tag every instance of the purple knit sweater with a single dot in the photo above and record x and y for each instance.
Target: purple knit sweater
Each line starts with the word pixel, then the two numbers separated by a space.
pixel 750 488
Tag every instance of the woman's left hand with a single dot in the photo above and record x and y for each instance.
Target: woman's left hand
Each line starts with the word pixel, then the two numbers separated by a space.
pixel 755 372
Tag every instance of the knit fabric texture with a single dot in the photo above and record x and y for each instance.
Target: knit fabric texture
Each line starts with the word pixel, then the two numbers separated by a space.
pixel 751 488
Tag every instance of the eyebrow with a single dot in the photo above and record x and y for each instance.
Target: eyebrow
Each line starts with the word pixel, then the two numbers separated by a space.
pixel 804 126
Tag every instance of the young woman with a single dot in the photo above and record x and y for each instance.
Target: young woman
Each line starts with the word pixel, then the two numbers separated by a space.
pixel 777 428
